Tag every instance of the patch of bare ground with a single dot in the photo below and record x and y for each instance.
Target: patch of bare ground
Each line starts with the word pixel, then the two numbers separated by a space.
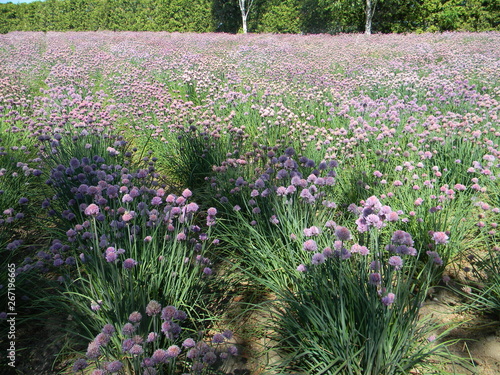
pixel 476 336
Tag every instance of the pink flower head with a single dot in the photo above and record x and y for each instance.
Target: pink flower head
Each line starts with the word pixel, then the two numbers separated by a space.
pixel 128 215
pixel 440 237
pixel 92 210
pixel 388 299
pixel 310 245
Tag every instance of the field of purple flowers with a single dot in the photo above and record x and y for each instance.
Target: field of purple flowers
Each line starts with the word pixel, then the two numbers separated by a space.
pixel 157 190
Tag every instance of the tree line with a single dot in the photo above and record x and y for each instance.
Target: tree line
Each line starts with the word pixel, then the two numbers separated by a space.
pixel 271 16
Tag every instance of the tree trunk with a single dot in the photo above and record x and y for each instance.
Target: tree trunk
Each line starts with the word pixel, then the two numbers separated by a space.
pixel 369 16
pixel 244 19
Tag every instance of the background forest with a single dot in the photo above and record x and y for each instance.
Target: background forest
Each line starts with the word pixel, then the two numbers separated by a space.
pixel 269 16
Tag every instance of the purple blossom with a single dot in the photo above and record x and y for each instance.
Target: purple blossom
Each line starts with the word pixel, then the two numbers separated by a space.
pixel 92 210
pixel 301 268
pixel 128 329
pixel 218 338
pixel 135 317
pixel 310 245
pixel 168 312
pixel 396 262
pixel 156 201
pixel 129 263
pixel 440 237
pixel 400 237
pixel 375 278
pixel 108 329
pixel 173 351
pixel 160 356
pixel 187 193
pixel 189 343
pixel 435 257
pixel 114 366
pixel 79 365
pixel 312 231
pixel 136 349
pixel 127 344
pixel 342 233
pixel 152 336
pixel 93 350
pixel 318 258
pixel 388 299
pixel 192 207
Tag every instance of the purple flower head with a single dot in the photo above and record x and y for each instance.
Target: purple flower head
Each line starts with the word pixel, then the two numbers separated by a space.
pixel 218 338
pixel 187 193
pixel 108 329
pixel 400 237
pixel 156 201
pixel 129 263
pixel 388 299
pixel 128 215
pixel 180 315
pixel 92 210
pixel 189 343
pixel 127 344
pixel 440 237
pixel 160 356
pixel 210 358
pixel 93 350
pixel 128 329
pixel 310 245
pixel 114 366
pixel 396 262
pixel 328 252
pixel 228 334
pixel 342 233
pixel 373 220
pixel 373 203
pixel 79 365
pixel 375 278
pixel 173 351
pixel 344 253
pixel 281 190
pixel 23 200
pixel 135 317
pixel 312 231
pixel 212 211
pixel 301 268
pixel 95 306
pixel 102 339
pixel 362 250
pixel 136 349
pixel 111 256
pixel 152 336
pixel 153 308
pixel 168 313
pixel 435 257
pixel 192 207
pixel 318 258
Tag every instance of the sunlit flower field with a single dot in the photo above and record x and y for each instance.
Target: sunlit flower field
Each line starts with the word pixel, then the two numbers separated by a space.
pixel 159 191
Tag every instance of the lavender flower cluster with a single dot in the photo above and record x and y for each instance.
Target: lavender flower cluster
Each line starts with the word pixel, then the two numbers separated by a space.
pixel 157 349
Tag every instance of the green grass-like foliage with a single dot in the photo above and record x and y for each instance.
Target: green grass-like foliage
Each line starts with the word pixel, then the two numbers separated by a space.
pixel 338 320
